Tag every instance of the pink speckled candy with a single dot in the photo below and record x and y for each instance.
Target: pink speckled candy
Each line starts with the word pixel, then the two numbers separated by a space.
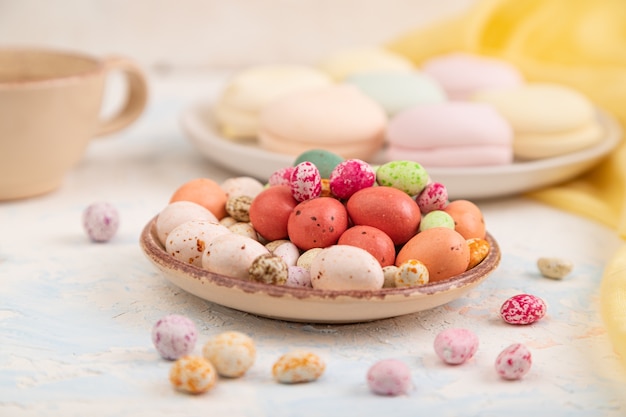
pixel 523 309
pixel 389 377
pixel 455 346
pixel 281 176
pixel 433 197
pixel 174 336
pixel 100 221
pixel 306 182
pixel 513 362
pixel 350 176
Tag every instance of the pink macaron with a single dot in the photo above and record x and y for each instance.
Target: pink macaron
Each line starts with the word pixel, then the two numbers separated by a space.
pixel 451 134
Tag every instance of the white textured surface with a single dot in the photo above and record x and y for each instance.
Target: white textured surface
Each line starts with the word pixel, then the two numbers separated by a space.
pixel 76 317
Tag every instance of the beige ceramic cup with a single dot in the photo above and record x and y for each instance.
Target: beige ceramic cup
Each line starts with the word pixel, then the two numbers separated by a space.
pixel 50 109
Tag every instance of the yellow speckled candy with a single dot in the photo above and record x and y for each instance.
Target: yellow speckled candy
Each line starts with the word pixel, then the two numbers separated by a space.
pixel 479 249
pixel 298 366
pixel 411 273
pixel 193 374
pixel 232 353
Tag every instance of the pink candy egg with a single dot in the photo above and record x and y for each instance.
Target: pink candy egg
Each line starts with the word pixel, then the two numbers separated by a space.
pixel 305 182
pixel 100 221
pixel 433 197
pixel 281 176
pixel 523 309
pixel 513 362
pixel 455 346
pixel 389 377
pixel 174 336
pixel 350 176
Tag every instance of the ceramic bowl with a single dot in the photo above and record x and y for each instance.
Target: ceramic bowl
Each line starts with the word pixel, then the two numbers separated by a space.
pixel 311 305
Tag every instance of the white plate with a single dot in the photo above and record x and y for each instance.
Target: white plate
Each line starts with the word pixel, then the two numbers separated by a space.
pixel 247 158
pixel 307 304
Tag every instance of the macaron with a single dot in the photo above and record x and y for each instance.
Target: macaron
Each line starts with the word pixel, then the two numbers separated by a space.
pixel 346 62
pixel 238 105
pixel 337 118
pixel 461 75
pixel 547 119
pixel 451 134
pixel 398 90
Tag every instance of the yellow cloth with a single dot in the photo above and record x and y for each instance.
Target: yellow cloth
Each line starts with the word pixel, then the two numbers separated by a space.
pixel 579 43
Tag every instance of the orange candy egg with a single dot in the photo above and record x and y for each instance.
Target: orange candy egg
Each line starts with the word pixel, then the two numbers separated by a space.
pixel 270 210
pixel 444 252
pixel 373 240
pixel 317 223
pixel 468 219
pixel 203 191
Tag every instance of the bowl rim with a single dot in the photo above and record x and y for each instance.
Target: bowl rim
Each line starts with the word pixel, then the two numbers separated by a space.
pixel 156 253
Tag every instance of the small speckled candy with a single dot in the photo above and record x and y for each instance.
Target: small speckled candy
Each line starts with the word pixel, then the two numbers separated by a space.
pixel 239 207
pixel 298 277
pixel 285 249
pixel 177 213
pixel 455 346
pixel 306 258
pixel 244 229
pixel 306 182
pixel 350 176
pixel 479 249
pixel 436 218
pixel 281 176
pixel 411 273
pixel 389 377
pixel 188 241
pixel 523 309
pixel 389 272
pixel 101 221
pixel 433 197
pixel 555 268
pixel 239 186
pixel 193 374
pixel 269 269
pixel 232 353
pixel 513 362
pixel 298 366
pixel 407 176
pixel 344 267
pixel 174 336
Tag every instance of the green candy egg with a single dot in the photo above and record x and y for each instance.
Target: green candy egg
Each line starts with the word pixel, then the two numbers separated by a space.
pixel 324 160
pixel 407 176
pixel 436 218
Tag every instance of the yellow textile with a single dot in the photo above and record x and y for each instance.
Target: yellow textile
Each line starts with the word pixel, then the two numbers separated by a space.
pixel 579 43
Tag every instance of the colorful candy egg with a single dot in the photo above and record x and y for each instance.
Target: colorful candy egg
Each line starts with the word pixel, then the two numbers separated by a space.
pixel 177 213
pixel 523 309
pixel 174 336
pixel 232 255
pixel 317 223
pixel 203 191
pixel 373 240
pixel 343 267
pixel 455 346
pixel 269 269
pixel 188 241
pixel 433 197
pixel 324 160
pixel 350 176
pixel 468 218
pixel 407 176
pixel 513 362
pixel 389 377
pixel 411 273
pixel 270 210
pixel 436 218
pixel 306 182
pixel 232 353
pixel 193 375
pixel 298 367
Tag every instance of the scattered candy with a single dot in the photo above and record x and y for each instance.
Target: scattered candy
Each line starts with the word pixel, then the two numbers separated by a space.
pixel 410 274
pixel 513 362
pixel 523 309
pixel 101 221
pixel 174 336
pixel 455 346
pixel 232 353
pixel 555 268
pixel 297 367
pixel 269 269
pixel 193 374
pixel 389 377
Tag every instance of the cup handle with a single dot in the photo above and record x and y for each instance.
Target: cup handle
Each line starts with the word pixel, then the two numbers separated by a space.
pixel 136 96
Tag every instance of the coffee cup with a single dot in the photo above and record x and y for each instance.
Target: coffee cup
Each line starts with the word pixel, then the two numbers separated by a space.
pixel 50 109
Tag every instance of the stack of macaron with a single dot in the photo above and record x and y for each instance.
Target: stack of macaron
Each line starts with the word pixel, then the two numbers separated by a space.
pixel 454 110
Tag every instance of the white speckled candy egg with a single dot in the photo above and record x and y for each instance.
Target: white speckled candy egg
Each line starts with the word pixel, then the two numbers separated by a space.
pixel 193 375
pixel 188 241
pixel 232 353
pixel 298 277
pixel 306 258
pixel 343 267
pixel 177 213
pixel 239 208
pixel 411 273
pixel 242 186
pixel 513 362
pixel 554 268
pixel 286 249
pixel 298 366
pixel 101 221
pixel 269 269
pixel 244 229
pixel 232 255
pixel 389 272
pixel 306 182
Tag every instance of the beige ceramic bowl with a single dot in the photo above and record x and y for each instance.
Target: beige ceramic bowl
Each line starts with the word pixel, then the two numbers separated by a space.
pixel 310 305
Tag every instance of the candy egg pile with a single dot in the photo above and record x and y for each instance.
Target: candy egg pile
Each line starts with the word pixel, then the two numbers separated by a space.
pixel 336 227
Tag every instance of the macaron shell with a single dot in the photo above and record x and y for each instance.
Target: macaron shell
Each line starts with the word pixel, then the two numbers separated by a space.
pixel 462 74
pixel 351 61
pixel 540 107
pixel 538 145
pixel 396 90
